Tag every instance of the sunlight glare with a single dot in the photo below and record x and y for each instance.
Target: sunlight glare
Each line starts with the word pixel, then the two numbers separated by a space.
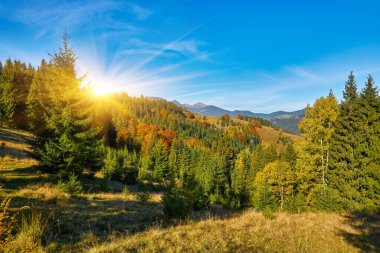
pixel 100 86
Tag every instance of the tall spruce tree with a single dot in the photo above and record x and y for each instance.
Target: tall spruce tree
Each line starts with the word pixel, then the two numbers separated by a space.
pixel 344 166
pixel 70 143
pixel 38 101
pixel 7 101
pixel 21 79
pixel 368 155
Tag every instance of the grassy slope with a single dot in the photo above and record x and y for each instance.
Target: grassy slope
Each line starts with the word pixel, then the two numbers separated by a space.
pixel 248 232
pixel 113 222
pixel 268 135
pixel 94 211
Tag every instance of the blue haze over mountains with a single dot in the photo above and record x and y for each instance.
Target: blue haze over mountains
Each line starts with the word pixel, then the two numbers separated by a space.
pixel 285 120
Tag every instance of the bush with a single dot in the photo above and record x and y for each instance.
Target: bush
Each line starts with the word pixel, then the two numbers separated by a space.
pixel 72 186
pixel 265 199
pixel 125 191
pixel 177 203
pixel 296 203
pixel 326 201
pixel 112 167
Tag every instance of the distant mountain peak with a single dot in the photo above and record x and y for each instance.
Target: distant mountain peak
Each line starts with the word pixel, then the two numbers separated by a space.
pixel 176 102
pixel 200 104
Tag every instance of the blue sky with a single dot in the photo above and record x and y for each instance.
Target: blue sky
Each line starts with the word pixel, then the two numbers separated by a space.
pixel 261 56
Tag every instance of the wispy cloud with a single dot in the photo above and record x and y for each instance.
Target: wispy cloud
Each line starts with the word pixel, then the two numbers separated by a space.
pixel 292 87
pixel 140 12
pixel 189 48
pixel 73 14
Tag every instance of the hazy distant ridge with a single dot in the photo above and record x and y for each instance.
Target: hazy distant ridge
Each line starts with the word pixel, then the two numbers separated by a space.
pixel 285 120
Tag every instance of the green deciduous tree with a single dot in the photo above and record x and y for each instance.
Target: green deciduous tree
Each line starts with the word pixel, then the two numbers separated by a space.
pixel 279 178
pixel 314 153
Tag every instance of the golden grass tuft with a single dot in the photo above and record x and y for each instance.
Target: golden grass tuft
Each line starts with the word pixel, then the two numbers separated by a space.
pixel 248 232
pixel 30 234
pixel 44 192
pixel 10 163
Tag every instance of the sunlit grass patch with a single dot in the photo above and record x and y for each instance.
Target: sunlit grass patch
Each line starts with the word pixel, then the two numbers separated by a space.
pixel 249 232
pixel 44 192
pixel 8 163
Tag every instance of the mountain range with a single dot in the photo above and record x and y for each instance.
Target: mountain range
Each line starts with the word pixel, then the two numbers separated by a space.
pixel 282 119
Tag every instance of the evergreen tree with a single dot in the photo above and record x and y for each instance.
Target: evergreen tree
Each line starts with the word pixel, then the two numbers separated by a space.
pixel 368 154
pixel 161 163
pixel 343 168
pixel 242 177
pixel 38 102
pixel 71 144
pixel 7 101
pixel 112 166
pixel 21 79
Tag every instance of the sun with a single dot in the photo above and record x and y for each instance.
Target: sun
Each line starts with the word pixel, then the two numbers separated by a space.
pixel 100 90
pixel 101 87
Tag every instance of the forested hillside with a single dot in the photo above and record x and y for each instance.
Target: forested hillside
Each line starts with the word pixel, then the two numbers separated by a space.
pixel 194 163
pixel 146 140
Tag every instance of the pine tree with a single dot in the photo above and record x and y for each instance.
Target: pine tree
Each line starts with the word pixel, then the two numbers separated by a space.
pixel 7 101
pixel 161 163
pixel 368 154
pixel 21 79
pixel 38 101
pixel 71 144
pixel 344 166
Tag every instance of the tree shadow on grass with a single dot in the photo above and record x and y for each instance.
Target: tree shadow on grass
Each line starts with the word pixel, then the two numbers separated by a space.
pixel 14 152
pixel 15 137
pixel 368 226
pixel 15 179
pixel 72 218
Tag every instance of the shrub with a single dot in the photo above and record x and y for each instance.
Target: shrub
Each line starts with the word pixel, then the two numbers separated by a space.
pixel 72 186
pixel 265 199
pixel 326 201
pixel 295 203
pixel 112 167
pixel 125 191
pixel 177 203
